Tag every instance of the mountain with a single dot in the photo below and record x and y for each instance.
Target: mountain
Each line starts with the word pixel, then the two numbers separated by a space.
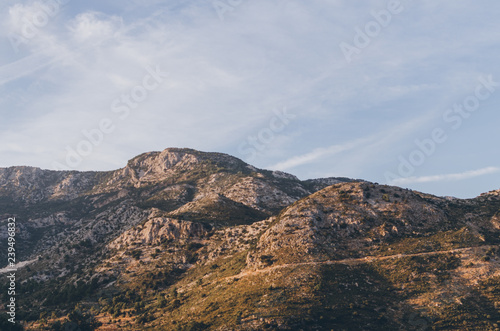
pixel 187 240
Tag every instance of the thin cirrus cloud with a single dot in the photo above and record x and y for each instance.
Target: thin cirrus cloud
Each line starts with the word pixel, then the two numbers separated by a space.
pixel 24 67
pixel 318 154
pixel 447 177
pixel 362 149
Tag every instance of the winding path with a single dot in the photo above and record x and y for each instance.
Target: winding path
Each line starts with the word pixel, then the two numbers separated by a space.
pixel 355 261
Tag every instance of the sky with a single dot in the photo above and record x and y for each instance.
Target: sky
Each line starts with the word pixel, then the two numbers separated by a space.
pixel 404 93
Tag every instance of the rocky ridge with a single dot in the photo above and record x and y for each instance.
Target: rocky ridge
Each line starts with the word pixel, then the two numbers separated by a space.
pixel 186 240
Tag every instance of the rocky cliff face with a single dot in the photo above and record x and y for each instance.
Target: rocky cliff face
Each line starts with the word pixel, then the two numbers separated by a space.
pixel 158 230
pixel 209 187
pixel 187 240
pixel 30 185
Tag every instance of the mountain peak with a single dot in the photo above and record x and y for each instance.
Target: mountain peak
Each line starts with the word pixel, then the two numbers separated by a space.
pixel 171 157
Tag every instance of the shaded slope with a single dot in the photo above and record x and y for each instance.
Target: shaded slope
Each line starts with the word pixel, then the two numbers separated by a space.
pixel 354 256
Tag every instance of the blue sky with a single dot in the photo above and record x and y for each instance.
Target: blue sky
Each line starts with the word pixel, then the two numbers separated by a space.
pixel 398 92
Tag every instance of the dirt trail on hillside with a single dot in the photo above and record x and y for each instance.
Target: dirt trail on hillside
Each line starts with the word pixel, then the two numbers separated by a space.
pixel 355 261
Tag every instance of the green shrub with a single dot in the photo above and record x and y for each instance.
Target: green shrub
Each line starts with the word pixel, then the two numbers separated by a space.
pixel 267 259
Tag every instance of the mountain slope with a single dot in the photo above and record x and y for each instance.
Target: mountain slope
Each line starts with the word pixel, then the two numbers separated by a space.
pixel 165 180
pixel 186 240
pixel 356 256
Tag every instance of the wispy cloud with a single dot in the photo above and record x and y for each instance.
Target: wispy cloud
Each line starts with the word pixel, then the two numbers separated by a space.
pixel 319 153
pixel 24 67
pixel 362 149
pixel 447 177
